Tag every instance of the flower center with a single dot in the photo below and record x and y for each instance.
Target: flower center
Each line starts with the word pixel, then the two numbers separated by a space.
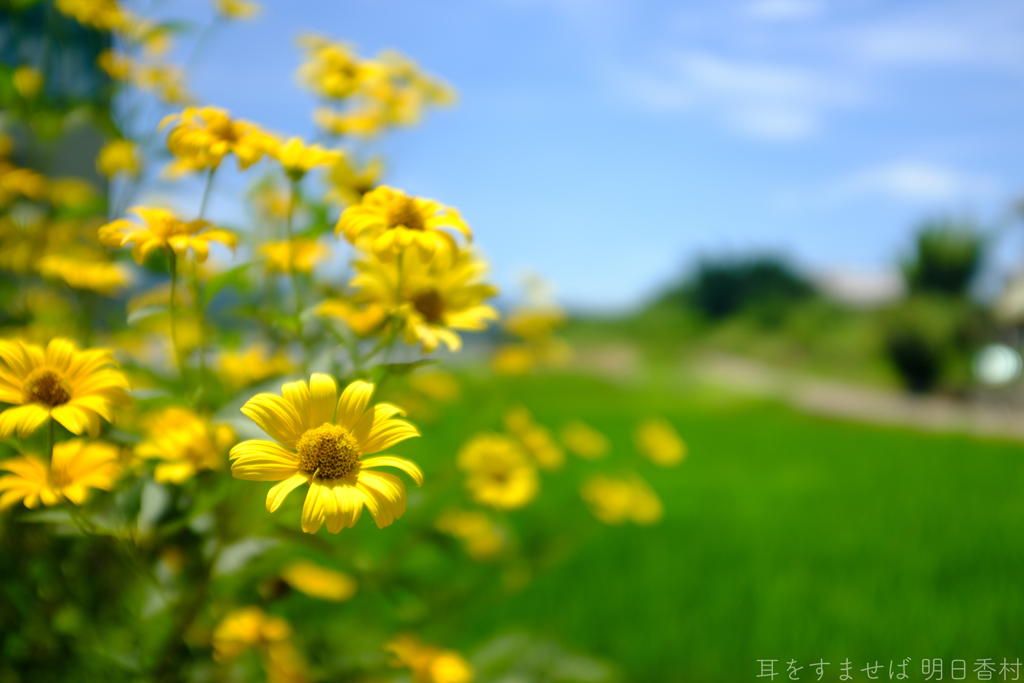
pixel 430 305
pixel 44 385
pixel 329 452
pixel 404 213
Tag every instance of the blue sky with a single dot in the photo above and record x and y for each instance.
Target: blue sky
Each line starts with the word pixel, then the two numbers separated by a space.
pixel 606 144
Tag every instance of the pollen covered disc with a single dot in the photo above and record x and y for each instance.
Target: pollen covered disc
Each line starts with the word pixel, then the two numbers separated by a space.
pixel 328 452
pixel 49 386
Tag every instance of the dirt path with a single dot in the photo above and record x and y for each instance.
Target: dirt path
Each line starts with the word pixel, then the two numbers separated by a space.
pixel 859 403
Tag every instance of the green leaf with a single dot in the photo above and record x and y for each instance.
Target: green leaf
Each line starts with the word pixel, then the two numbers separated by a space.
pixel 219 282
pixel 401 369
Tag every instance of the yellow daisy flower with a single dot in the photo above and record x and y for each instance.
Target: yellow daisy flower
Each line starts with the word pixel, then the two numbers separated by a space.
pixel 27 81
pixel 298 158
pixel 659 442
pixel 585 441
pixel 319 582
pixel 363 320
pixel 242 368
pixel 245 628
pixel 73 387
pixel 103 15
pixel 304 254
pixel 616 501
pixel 332 70
pixel 203 136
pixel 480 536
pixel 236 9
pixel 322 441
pixel 77 466
pixel 428 664
pixel 498 473
pixel 185 443
pixel 348 184
pixel 389 220
pixel 362 122
pixel 119 156
pixel 434 300
pixel 436 385
pixel 513 359
pixel 161 230
pixel 86 271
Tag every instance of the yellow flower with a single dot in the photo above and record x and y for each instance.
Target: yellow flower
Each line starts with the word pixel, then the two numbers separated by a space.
pixel 85 270
pixel 534 325
pixel 363 320
pixel 203 136
pixel 245 628
pixel 119 156
pixel 104 15
pixel 429 664
pixel 348 184
pixel 304 254
pixel 322 441
pixel 161 230
pixel 298 158
pixel 362 122
pixel 237 9
pixel 73 387
pixel 585 441
pixel 518 420
pixel 436 385
pixel 318 582
pixel 659 442
pixel 390 221
pixel 24 182
pixel 185 443
pixel 168 82
pixel 513 359
pixel 27 81
pixel 117 65
pixel 77 465
pixel 435 300
pixel 333 70
pixel 242 368
pixel 70 192
pixel 616 501
pixel 536 439
pixel 498 472
pixel 480 536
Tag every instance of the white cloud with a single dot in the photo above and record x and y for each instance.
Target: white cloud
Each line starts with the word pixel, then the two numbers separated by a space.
pixel 766 101
pixel 782 10
pixel 911 181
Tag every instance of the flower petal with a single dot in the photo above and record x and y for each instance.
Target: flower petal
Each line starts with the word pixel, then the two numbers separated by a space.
pixel 353 403
pixel 278 493
pixel 323 398
pixel 23 419
pixel 389 493
pixel 275 416
pixel 313 509
pixel 407 466
pixel 258 460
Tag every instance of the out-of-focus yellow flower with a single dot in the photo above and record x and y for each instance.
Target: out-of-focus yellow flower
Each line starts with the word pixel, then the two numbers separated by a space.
pixel 70 192
pixel 435 299
pixel 659 442
pixel 271 200
pixel 362 319
pixel 246 628
pixel 319 582
pixel 298 158
pixel 117 65
pixel 347 184
pixel 185 443
pixel 103 15
pixel 360 122
pixel 237 9
pixel 513 359
pixel 23 182
pixel 27 81
pixel 541 445
pixel 303 253
pixel 584 440
pixel 480 536
pixel 534 324
pixel 518 420
pixel 77 466
pixel 241 368
pixel 168 82
pixel 436 385
pixel 321 441
pixel 119 156
pixel 428 664
pixel 388 220
pixel 616 501
pixel 203 136
pixel 332 70
pixel 498 472
pixel 85 270
pixel 161 230
pixel 73 387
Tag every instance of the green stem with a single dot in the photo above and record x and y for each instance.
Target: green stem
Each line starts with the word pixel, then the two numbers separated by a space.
pixel 289 261
pixel 174 316
pixel 206 192
pixel 50 440
pixel 197 301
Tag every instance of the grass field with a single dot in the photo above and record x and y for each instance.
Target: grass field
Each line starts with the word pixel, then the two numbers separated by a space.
pixel 785 537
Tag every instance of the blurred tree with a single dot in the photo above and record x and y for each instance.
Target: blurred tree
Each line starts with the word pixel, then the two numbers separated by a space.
pixel 725 287
pixel 948 256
